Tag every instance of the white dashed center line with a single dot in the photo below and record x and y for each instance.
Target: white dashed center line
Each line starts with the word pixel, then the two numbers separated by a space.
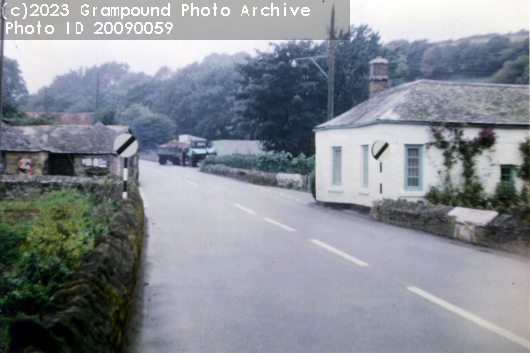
pixel 473 318
pixel 280 225
pixel 245 209
pixel 340 253
pixel 191 182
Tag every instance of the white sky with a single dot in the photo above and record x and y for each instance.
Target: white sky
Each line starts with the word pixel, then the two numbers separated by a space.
pixel 436 20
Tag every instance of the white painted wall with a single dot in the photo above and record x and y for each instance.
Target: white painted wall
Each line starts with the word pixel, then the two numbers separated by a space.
pixel 228 147
pixel 505 151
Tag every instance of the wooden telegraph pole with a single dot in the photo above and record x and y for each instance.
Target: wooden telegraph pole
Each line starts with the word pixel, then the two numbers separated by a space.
pixel 331 74
pixel 2 25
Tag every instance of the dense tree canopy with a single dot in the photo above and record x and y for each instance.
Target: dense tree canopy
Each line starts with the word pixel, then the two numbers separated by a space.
pixel 281 104
pixel 14 91
pixel 263 96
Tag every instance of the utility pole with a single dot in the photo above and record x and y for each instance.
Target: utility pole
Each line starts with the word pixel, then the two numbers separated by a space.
pixel 97 92
pixel 46 99
pixel 331 74
pixel 2 21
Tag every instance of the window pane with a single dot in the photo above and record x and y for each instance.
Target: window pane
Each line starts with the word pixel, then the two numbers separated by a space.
pixel 414 152
pixel 414 162
pixel 412 168
pixel 414 172
pixel 337 165
pixel 506 173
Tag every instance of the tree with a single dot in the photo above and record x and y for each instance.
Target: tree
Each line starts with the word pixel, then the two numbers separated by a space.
pixel 14 92
pixel 14 87
pixel 515 72
pixel 199 98
pixel 150 129
pixel 78 90
pixel 105 116
pixel 280 104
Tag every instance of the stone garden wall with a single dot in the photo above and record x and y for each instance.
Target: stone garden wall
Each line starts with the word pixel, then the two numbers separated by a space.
pixel 488 228
pixel 15 187
pixel 90 311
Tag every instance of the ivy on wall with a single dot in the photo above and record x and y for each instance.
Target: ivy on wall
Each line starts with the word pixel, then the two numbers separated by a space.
pixel 455 147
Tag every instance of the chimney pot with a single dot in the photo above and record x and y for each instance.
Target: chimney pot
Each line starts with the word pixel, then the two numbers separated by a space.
pixel 378 76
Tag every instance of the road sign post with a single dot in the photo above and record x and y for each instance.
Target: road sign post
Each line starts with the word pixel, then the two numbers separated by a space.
pixel 380 151
pixel 125 146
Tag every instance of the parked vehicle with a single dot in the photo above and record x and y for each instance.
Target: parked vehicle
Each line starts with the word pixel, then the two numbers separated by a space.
pixel 173 151
pixel 200 149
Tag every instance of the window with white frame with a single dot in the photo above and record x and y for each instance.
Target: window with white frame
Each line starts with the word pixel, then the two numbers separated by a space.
pixel 507 173
pixel 413 167
pixel 337 165
pixel 365 165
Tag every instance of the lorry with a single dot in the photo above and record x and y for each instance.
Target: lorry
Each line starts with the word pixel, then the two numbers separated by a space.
pixel 199 150
pixel 179 153
pixel 173 151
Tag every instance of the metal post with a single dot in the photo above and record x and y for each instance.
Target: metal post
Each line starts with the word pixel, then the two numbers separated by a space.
pixel 331 75
pixel 97 92
pixel 125 177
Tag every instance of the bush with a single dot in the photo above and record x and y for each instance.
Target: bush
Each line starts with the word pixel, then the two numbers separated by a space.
pixel 523 171
pixel 105 116
pixel 505 196
pixel 267 162
pixel 11 238
pixel 37 253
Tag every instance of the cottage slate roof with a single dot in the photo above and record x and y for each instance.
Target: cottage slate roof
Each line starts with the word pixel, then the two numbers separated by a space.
pixel 12 140
pixel 78 139
pixel 430 101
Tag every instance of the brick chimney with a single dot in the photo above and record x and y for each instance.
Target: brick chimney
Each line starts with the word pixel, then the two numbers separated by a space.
pixel 378 76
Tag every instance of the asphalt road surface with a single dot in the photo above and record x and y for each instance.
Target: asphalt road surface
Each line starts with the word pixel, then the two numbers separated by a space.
pixel 233 267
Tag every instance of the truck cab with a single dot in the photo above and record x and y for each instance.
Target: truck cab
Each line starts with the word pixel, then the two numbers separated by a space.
pixel 200 149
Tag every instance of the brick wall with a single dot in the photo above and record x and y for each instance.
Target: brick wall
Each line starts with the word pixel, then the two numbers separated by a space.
pixel 377 86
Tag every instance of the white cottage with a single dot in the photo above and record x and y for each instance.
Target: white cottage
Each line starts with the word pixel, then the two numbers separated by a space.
pixel 348 174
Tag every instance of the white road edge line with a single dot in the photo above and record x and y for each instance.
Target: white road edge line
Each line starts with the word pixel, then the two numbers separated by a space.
pixel 340 253
pixel 279 224
pixel 245 209
pixel 473 318
pixel 191 182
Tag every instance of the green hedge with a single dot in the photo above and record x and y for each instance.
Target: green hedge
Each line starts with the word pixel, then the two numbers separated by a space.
pixel 267 162
pixel 42 241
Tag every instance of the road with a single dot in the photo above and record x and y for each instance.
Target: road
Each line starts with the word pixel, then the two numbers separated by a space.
pixel 234 267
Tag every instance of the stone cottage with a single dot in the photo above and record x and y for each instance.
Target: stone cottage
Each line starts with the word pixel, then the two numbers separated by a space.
pixel 75 150
pixel 348 173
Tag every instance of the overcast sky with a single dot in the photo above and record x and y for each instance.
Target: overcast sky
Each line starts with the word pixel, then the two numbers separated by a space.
pixel 435 20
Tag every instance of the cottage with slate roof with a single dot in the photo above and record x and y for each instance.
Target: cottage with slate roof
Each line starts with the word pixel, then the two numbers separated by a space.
pixel 73 150
pixel 347 173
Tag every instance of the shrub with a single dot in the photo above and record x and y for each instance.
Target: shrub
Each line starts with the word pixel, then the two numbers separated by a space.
pixel 267 162
pixel 37 254
pixel 523 171
pixel 505 196
pixel 11 238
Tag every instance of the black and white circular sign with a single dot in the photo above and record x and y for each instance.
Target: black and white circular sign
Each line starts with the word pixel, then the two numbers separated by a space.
pixel 380 150
pixel 125 145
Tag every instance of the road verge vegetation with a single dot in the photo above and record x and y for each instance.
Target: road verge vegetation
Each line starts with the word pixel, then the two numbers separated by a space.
pixel 274 169
pixel 68 269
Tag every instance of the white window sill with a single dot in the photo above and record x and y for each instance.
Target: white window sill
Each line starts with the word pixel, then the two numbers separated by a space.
pixel 336 190
pixel 364 192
